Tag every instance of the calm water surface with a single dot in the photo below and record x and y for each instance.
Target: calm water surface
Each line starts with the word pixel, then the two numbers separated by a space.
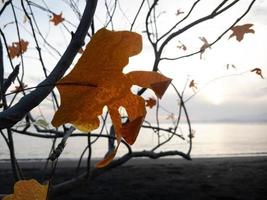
pixel 211 140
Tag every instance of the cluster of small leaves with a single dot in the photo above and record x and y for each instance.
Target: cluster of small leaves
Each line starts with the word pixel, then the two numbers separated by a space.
pixel 17 48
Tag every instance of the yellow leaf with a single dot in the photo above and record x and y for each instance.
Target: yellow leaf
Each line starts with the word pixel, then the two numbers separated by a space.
pixel 28 190
pixel 97 81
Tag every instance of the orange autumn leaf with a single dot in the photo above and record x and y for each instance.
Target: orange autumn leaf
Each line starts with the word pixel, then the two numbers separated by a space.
pixel 107 159
pixel 153 80
pixel 97 81
pixel 240 31
pixel 17 48
pixel 28 190
pixel 151 102
pixel 57 19
pixel 258 72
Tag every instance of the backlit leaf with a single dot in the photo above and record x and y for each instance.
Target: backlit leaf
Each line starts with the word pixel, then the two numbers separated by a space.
pixel 28 190
pixel 153 80
pixel 107 159
pixel 57 19
pixel 240 31
pixel 97 81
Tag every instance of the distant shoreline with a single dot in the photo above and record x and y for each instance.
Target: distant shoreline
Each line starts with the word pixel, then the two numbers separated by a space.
pixel 72 162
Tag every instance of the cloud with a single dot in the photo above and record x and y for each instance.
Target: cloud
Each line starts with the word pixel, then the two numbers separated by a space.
pixel 258 12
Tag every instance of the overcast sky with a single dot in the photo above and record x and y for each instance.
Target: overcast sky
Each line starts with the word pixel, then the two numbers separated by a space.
pixel 236 97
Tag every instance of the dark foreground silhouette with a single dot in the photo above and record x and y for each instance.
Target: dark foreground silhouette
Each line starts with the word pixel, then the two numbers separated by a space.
pixel 167 179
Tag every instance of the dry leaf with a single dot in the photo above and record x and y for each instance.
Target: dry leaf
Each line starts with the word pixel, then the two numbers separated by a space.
pixel 97 81
pixel 57 19
pixel 153 80
pixel 151 102
pixel 204 46
pixel 193 85
pixel 258 72
pixel 181 46
pixel 17 48
pixel 25 19
pixel 28 190
pixel 192 134
pixel 232 65
pixel 179 12
pixel 240 31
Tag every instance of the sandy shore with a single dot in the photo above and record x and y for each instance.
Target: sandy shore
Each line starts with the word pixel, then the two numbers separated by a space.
pixel 164 179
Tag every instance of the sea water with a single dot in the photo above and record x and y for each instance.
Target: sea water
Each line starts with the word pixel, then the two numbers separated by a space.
pixel 210 140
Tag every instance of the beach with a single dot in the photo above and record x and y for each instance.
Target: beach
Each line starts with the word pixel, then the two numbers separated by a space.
pixel 233 178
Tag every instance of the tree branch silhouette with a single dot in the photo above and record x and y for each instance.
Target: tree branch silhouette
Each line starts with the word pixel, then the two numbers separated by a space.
pixel 14 114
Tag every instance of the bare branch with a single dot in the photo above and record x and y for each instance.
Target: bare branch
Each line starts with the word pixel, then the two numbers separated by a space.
pixel 14 114
pixel 218 38
pixel 179 22
pixel 4 6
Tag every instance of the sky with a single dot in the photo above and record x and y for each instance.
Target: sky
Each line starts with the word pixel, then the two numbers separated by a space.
pixel 231 95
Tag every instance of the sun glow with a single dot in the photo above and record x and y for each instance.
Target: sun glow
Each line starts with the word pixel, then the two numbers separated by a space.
pixel 214 94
